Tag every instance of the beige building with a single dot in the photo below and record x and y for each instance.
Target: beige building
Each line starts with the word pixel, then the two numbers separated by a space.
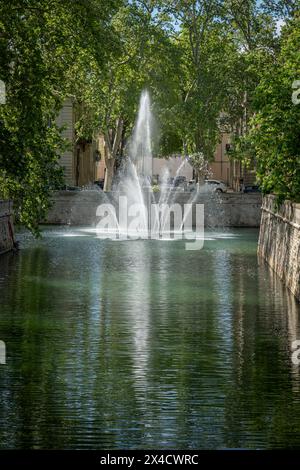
pixel 82 161
pixel 220 167
pixel 172 164
pixel 231 171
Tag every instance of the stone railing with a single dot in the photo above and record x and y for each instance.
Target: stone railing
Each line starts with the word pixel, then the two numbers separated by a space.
pixel 279 241
pixel 224 210
pixel 7 239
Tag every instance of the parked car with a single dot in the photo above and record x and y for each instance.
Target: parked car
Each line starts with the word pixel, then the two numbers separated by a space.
pixel 216 186
pixel 166 183
pixel 100 183
pixel 192 185
pixel 251 189
pixel 179 181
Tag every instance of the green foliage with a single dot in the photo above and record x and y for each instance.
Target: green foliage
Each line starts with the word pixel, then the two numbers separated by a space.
pixel 143 56
pixel 262 119
pixel 204 44
pixel 41 43
pixel 155 188
pixel 274 136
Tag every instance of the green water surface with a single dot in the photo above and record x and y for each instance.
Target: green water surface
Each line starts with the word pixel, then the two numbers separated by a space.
pixel 142 344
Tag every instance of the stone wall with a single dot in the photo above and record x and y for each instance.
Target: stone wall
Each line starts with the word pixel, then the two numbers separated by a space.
pixel 224 210
pixel 7 241
pixel 279 241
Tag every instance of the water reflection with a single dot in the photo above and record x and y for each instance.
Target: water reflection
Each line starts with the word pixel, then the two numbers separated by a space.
pixel 143 344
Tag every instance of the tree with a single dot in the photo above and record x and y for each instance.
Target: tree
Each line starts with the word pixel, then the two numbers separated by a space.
pixel 205 47
pixel 274 135
pixel 200 165
pixel 143 57
pixel 264 124
pixel 254 33
pixel 41 42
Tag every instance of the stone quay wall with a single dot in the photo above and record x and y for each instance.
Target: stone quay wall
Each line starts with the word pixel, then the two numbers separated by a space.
pixel 7 238
pixel 279 241
pixel 220 210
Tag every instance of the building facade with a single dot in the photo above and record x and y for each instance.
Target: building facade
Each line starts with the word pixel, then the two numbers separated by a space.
pixel 84 164
pixel 82 161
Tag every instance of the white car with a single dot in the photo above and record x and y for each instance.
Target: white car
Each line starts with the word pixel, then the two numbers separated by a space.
pixel 215 185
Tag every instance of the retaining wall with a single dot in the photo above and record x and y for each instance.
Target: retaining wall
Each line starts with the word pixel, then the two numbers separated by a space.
pixel 7 240
pixel 279 241
pixel 227 209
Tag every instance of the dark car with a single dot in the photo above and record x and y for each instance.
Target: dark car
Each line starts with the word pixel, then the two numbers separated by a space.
pixel 179 181
pixel 100 183
pixel 170 181
pixel 251 189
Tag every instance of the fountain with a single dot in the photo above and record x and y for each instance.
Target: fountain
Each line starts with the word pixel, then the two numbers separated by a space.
pixel 141 212
pixel 140 146
pixel 134 188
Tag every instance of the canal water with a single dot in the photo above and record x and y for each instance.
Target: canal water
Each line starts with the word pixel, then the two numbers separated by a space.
pixel 142 344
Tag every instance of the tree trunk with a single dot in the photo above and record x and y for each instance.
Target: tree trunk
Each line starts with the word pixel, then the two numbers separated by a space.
pixel 200 177
pixel 112 147
pixel 109 173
